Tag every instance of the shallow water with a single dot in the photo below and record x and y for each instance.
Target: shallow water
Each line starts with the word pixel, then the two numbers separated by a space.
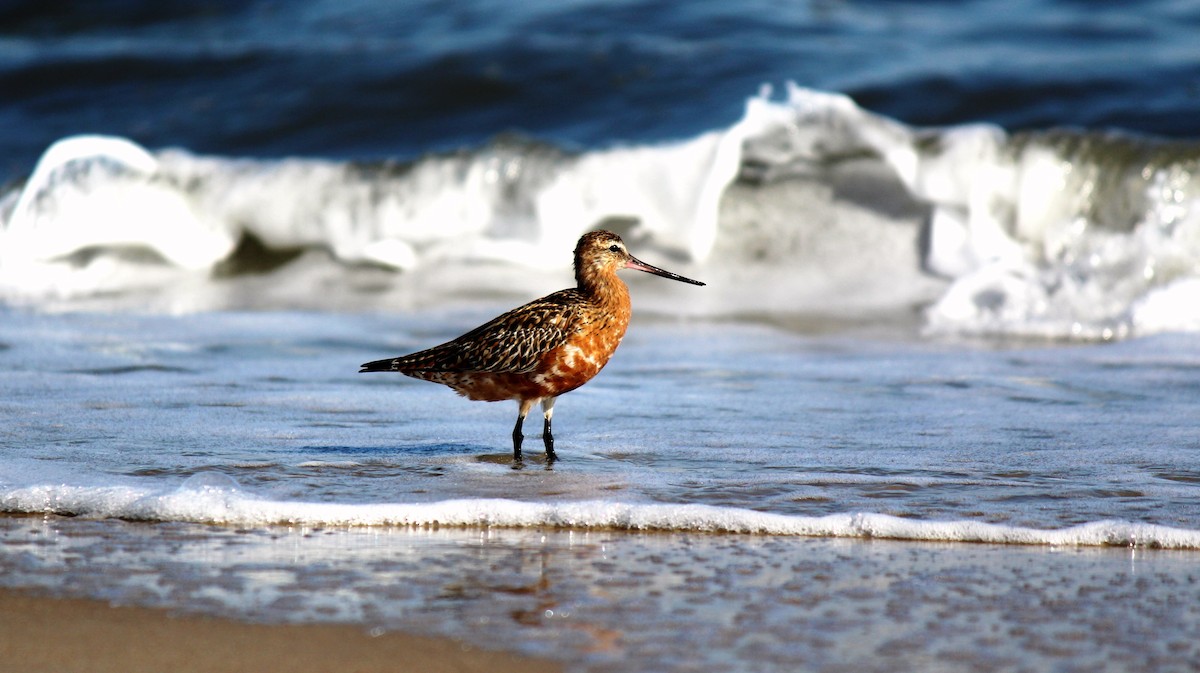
pixel 252 418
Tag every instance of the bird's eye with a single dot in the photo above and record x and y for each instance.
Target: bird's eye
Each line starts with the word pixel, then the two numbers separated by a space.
pixel 614 248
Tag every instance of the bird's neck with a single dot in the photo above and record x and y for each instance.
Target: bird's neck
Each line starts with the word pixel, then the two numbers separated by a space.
pixel 606 289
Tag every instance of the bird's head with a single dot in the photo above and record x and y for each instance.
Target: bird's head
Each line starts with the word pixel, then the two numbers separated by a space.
pixel 603 252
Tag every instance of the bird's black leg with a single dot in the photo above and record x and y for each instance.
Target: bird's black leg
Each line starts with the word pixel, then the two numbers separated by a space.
pixel 518 437
pixel 548 438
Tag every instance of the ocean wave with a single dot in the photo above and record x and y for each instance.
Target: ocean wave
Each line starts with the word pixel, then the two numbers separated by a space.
pixel 1058 233
pixel 213 498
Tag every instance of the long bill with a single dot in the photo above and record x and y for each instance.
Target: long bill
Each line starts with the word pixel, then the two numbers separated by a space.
pixel 635 263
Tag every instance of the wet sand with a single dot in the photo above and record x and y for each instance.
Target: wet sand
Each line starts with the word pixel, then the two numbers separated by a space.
pixel 66 635
pixel 596 601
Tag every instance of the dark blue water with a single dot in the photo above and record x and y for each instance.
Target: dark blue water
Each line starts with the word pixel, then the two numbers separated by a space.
pixel 354 79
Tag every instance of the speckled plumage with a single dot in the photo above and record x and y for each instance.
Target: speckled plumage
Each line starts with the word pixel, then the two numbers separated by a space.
pixel 548 347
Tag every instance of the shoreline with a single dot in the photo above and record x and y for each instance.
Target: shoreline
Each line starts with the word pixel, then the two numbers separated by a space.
pixel 64 635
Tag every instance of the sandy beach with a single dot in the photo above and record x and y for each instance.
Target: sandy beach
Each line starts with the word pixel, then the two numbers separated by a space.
pixel 66 635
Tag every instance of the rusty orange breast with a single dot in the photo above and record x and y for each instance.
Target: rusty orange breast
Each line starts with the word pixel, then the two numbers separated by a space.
pixel 573 364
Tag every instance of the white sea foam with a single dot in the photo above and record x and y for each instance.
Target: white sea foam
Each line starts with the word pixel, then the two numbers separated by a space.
pixel 1060 234
pixel 513 203
pixel 216 499
pixel 104 192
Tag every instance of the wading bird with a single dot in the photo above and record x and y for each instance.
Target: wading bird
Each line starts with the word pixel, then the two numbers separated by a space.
pixel 548 347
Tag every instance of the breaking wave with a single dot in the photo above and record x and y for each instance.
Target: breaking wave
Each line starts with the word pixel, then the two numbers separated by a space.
pixel 214 498
pixel 809 203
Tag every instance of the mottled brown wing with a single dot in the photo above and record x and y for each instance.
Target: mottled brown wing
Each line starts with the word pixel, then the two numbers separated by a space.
pixel 513 342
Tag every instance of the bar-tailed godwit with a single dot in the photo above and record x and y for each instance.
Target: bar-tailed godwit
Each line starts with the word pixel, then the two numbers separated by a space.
pixel 548 347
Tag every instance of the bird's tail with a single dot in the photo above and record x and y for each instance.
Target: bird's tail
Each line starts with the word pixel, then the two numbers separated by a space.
pixel 430 359
pixel 388 365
